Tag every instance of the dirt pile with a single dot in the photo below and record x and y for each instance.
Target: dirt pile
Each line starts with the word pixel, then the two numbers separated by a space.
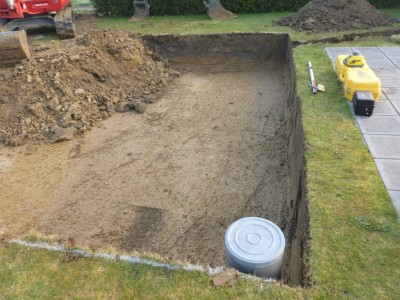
pixel 66 91
pixel 336 15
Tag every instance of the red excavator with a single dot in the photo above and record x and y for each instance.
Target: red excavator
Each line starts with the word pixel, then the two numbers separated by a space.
pixel 18 15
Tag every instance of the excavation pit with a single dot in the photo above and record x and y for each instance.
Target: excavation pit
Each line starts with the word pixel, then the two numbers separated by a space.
pixel 242 91
pixel 225 141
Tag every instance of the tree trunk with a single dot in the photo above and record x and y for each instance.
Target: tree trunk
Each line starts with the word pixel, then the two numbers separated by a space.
pixel 13 48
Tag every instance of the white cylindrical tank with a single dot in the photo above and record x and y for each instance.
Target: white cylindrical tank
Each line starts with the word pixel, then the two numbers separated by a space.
pixel 255 246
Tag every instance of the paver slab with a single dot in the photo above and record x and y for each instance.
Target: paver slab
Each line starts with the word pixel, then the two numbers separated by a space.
pixel 384 108
pixel 381 131
pixel 383 146
pixel 395 61
pixel 376 55
pixel 334 52
pixel 390 81
pixel 388 125
pixel 395 195
pixel 391 72
pixel 367 50
pixel 390 50
pixel 392 93
pixel 381 63
pixel 396 105
pixel 390 173
pixel 393 54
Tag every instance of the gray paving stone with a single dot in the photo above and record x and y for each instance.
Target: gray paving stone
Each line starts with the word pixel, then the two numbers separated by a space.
pixel 393 54
pixel 375 55
pixel 378 55
pixel 333 52
pixel 338 50
pixel 383 146
pixel 396 105
pixel 395 195
pixel 383 63
pixel 384 108
pixel 392 72
pixel 390 173
pixel 382 130
pixel 390 81
pixel 388 125
pixel 383 96
pixel 367 50
pixel 390 50
pixel 396 62
pixel 392 93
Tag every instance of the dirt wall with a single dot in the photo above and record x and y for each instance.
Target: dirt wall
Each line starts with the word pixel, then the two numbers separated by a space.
pixel 296 208
pixel 216 52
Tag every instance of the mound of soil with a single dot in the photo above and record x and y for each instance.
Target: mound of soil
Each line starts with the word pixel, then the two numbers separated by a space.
pixel 66 91
pixel 336 15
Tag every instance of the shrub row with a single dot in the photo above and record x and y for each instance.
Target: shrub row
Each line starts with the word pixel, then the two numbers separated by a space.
pixel 385 3
pixel 180 7
pixel 114 7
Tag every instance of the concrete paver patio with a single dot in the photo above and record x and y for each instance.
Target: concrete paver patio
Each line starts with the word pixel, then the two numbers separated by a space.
pixel 381 131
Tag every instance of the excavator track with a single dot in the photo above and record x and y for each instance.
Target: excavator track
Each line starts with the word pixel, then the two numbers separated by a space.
pixel 64 23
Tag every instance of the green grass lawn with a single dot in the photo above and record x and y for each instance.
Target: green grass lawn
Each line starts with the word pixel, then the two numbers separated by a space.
pixel 354 228
pixel 395 13
pixel 200 24
pixel 355 231
pixel 81 2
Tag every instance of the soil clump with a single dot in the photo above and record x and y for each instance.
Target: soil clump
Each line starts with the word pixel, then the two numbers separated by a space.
pixel 64 91
pixel 336 15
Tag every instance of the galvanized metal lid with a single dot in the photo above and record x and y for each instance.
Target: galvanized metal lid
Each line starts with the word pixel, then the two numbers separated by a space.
pixel 254 241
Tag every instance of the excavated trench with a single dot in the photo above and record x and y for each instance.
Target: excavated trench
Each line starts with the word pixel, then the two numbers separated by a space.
pixel 263 172
pixel 224 141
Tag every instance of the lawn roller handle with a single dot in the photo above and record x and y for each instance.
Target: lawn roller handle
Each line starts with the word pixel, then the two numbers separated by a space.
pixel 313 83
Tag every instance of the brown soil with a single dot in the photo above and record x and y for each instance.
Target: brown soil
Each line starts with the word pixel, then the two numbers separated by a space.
pixel 68 89
pixel 169 181
pixel 221 141
pixel 336 15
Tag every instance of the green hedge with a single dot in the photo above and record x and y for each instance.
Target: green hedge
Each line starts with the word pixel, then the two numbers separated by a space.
pixel 385 3
pixel 181 7
pixel 114 7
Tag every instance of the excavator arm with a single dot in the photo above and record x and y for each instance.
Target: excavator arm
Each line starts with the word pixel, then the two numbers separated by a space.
pixel 13 48
pixel 17 15
pixel 142 10
pixel 215 10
